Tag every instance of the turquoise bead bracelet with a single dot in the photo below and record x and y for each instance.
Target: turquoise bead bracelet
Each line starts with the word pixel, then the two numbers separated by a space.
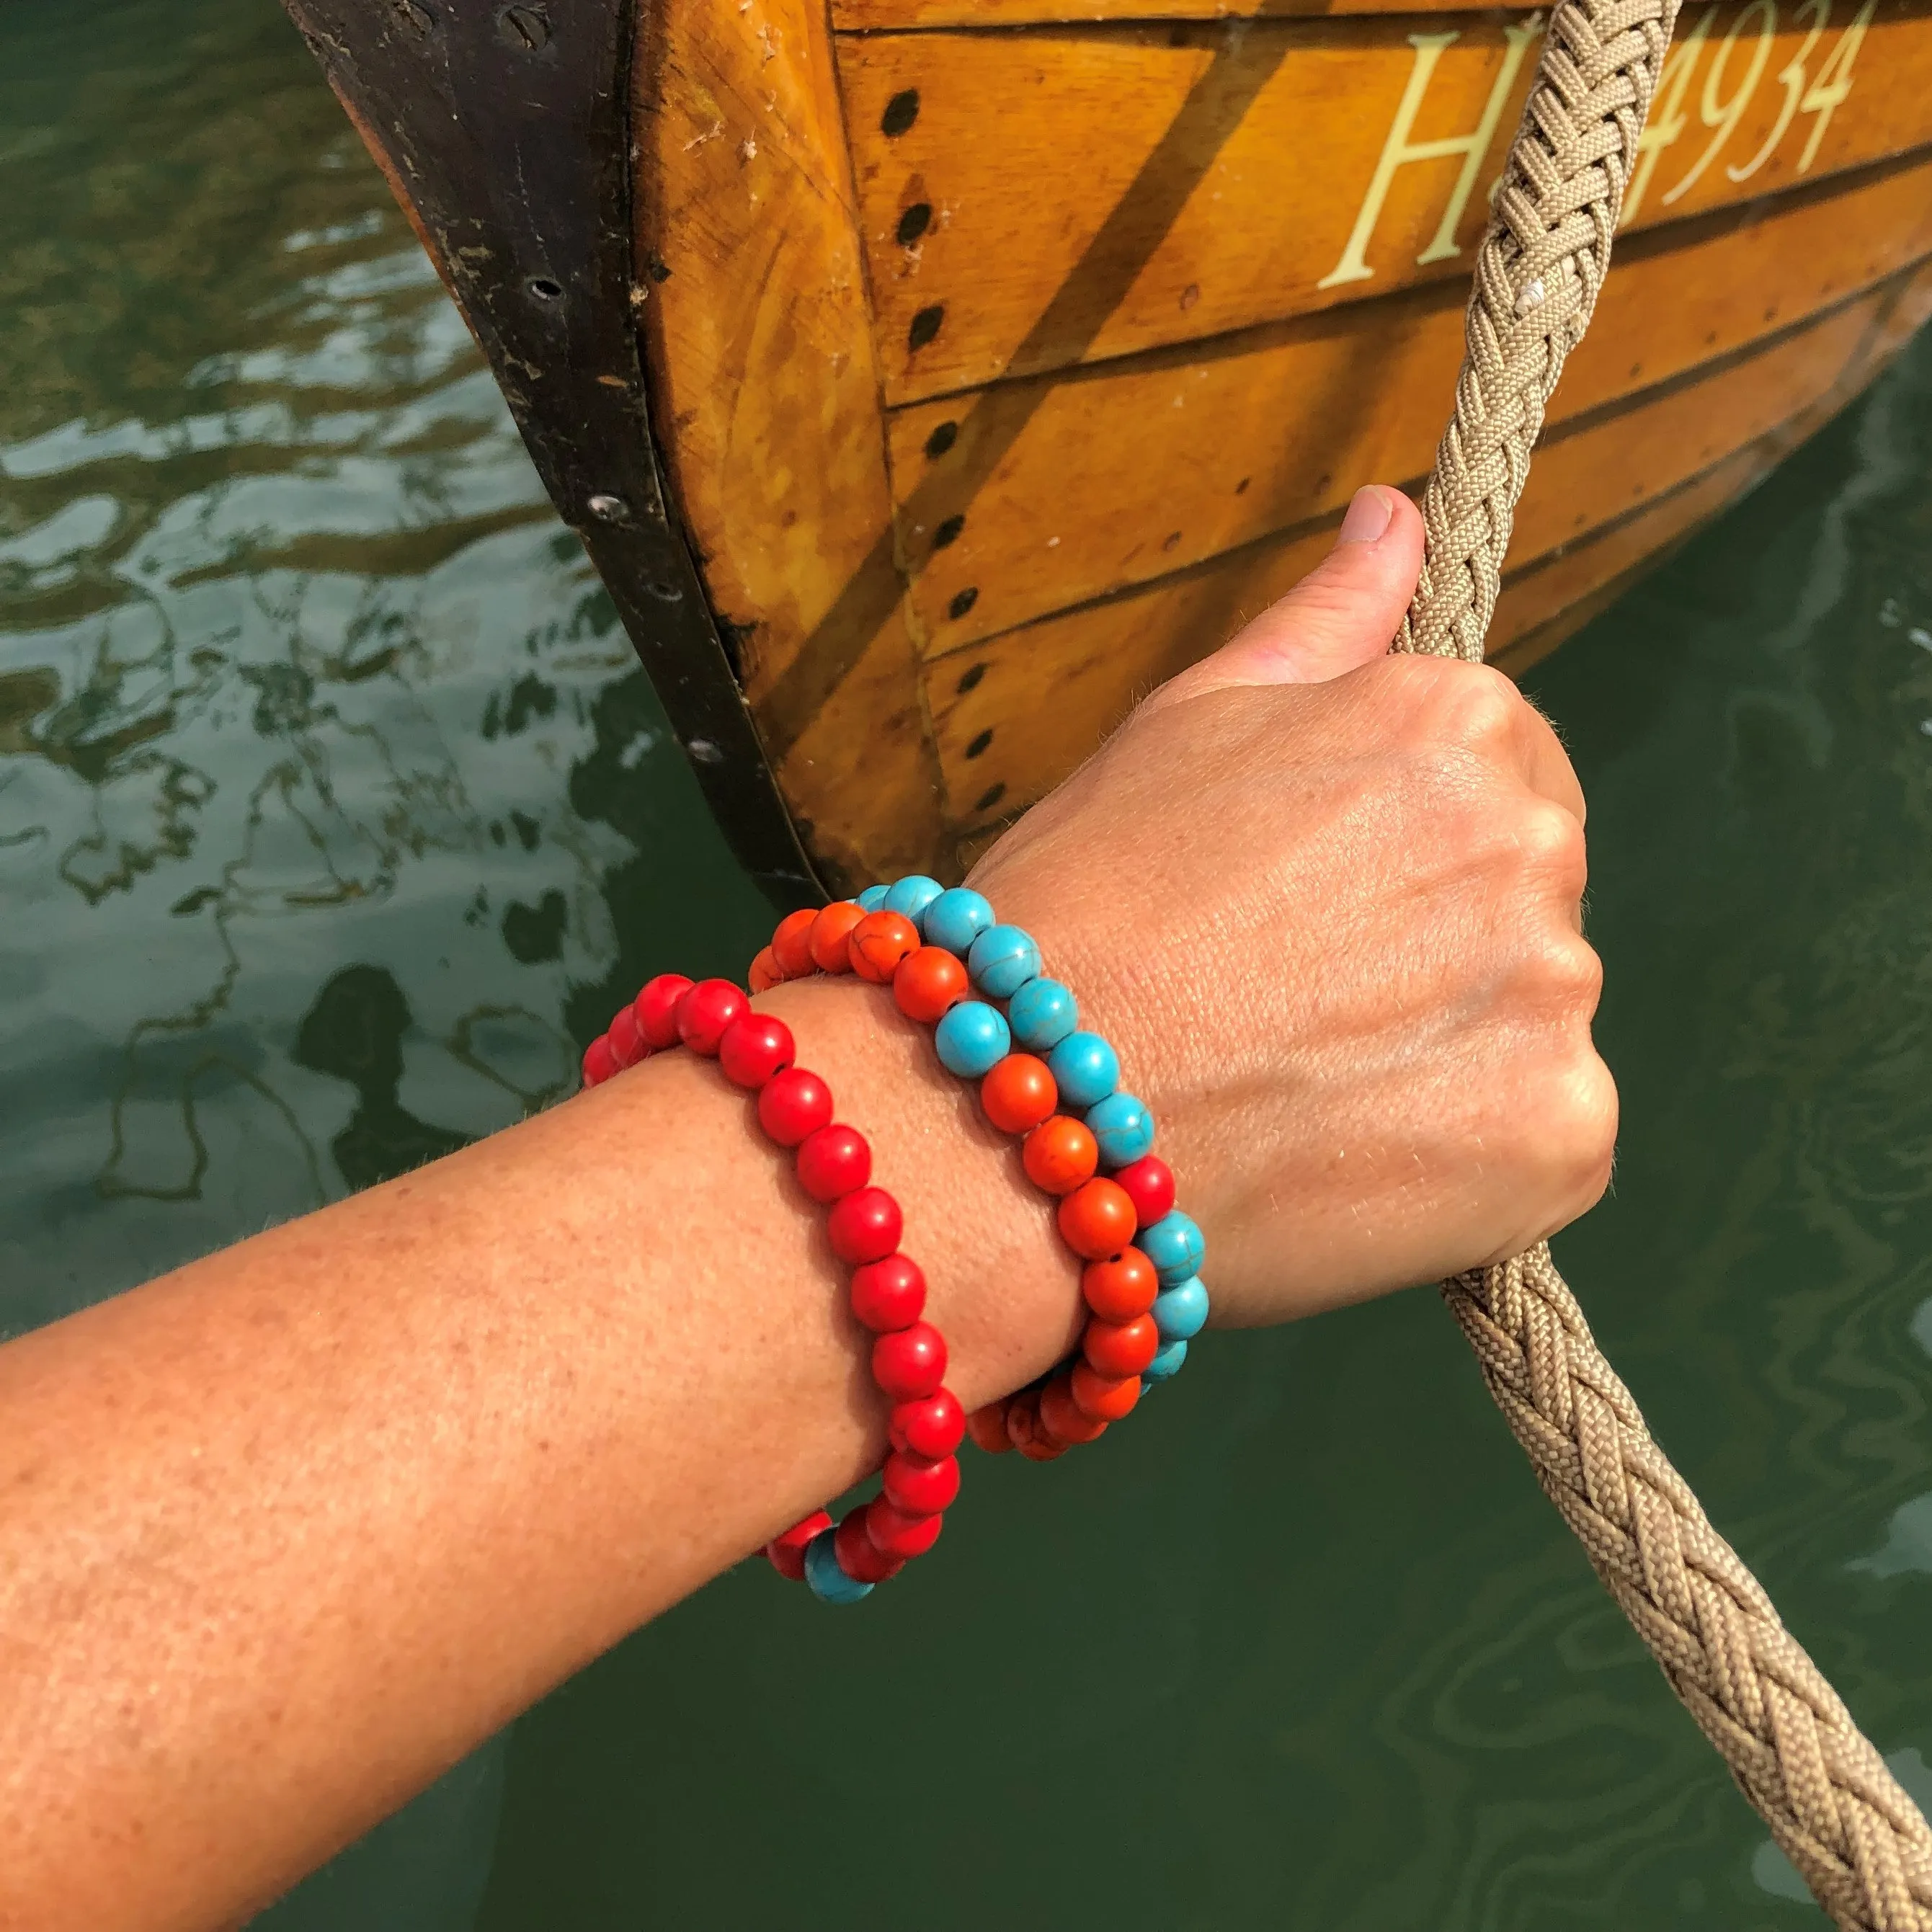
pixel 998 1020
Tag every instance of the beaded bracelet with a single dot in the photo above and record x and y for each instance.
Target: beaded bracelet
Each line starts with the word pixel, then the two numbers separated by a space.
pixel 1141 1258
pixel 840 1562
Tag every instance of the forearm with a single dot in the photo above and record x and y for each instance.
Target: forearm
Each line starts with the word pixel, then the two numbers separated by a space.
pixel 285 1533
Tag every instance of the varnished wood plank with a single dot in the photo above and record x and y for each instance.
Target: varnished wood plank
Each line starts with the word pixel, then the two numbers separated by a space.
pixel 1015 713
pixel 757 337
pixel 872 16
pixel 1037 198
pixel 1552 598
pixel 1055 490
pixel 1609 463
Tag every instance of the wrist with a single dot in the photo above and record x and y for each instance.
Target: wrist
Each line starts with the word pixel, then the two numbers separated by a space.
pixel 1003 1288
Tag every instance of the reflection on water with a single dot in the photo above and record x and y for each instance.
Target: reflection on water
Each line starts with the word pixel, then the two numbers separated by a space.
pixel 334 815
pixel 299 671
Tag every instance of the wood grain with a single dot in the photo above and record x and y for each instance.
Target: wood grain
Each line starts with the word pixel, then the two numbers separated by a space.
pixel 1548 601
pixel 1015 713
pixel 1090 192
pixel 871 16
pixel 1055 490
pixel 757 336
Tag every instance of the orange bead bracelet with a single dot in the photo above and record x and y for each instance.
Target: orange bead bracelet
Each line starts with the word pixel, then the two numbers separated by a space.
pixel 1037 1075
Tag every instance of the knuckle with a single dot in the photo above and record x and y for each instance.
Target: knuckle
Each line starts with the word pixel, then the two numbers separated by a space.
pixel 1549 842
pixel 1560 970
pixel 1470 705
pixel 1579 1121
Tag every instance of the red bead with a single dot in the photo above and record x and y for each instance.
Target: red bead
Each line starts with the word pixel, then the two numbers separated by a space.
pixel 832 1162
pixel 655 1010
pixel 919 1487
pixel 859 1556
pixel 1063 1417
pixel 1121 1348
pixel 599 1062
pixel 764 974
pixel 1018 1093
pixel 929 983
pixel 878 942
pixel 831 933
pixel 897 1534
pixel 1059 1154
pixel 888 1295
pixel 1096 1219
pixel 1029 1437
pixel 753 1048
pixel 865 1225
pixel 787 1552
pixel 932 1427
pixel 627 1043
pixel 911 1363
pixel 791 944
pixel 706 1011
pixel 794 1104
pixel 1105 1398
pixel 1120 1287
pixel 988 1428
pixel 1150 1184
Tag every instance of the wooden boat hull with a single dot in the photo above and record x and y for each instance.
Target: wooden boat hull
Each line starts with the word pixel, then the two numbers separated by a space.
pixel 965 369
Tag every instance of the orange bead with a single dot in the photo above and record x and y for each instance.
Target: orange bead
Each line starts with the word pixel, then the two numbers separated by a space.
pixel 1120 1287
pixel 1063 1417
pixel 1023 1425
pixel 765 974
pixel 1105 1398
pixel 929 983
pixel 832 934
pixel 1121 1348
pixel 879 942
pixel 988 1427
pixel 1096 1219
pixel 1018 1093
pixel 1059 1154
pixel 791 944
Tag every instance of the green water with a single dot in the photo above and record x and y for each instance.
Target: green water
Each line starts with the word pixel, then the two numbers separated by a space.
pixel 334 815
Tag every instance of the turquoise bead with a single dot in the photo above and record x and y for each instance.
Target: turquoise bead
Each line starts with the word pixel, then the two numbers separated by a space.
pixel 1042 1014
pixel 955 919
pixel 1002 960
pixel 973 1038
pixel 1085 1069
pixel 1180 1313
pixel 830 1584
pixel 911 895
pixel 1166 1364
pixel 872 897
pixel 1173 1244
pixel 1123 1125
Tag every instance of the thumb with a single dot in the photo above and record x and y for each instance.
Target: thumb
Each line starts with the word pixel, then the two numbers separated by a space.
pixel 1343 614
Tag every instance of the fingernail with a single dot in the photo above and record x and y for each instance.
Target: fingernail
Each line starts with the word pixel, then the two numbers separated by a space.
pixel 1369 511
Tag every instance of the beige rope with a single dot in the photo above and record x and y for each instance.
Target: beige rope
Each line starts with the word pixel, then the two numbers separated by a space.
pixel 1837 1812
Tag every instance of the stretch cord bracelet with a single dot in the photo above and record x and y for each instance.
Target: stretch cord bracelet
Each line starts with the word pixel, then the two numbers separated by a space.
pixel 1141 1278
pixel 840 1562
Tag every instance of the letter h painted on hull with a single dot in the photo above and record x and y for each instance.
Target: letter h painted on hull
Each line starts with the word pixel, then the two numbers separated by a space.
pixel 1398 151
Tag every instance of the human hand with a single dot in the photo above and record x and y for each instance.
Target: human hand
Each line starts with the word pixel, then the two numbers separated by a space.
pixel 1327 904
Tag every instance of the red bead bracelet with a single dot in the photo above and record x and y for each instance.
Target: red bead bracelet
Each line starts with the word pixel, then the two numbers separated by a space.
pixel 1098 1216
pixel 756 1051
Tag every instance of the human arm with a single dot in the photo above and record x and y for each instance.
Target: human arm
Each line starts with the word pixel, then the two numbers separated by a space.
pixel 285 1533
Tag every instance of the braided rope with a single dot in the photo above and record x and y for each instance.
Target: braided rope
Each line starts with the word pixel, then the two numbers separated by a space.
pixel 1836 1811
